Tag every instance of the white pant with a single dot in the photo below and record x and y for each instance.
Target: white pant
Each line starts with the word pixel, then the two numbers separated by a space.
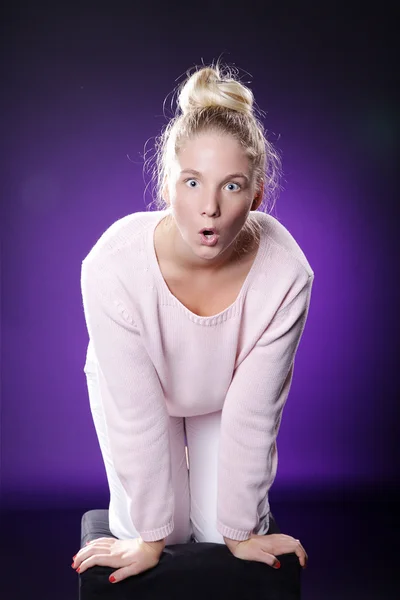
pixel 194 457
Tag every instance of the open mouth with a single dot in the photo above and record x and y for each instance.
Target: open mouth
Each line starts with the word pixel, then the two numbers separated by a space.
pixel 211 235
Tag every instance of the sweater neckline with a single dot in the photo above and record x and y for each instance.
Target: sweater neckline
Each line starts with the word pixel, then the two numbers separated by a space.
pixel 169 297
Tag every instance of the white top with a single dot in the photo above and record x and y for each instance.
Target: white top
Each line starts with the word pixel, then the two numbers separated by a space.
pixel 156 358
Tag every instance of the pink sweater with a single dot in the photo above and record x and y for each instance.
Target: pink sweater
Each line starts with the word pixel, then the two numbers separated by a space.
pixel 156 358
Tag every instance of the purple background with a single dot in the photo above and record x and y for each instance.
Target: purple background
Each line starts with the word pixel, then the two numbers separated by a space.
pixel 84 93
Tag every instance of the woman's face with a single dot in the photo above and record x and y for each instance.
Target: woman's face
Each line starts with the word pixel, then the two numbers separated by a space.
pixel 210 185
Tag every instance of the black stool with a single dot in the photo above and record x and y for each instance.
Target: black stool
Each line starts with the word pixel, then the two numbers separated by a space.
pixel 193 571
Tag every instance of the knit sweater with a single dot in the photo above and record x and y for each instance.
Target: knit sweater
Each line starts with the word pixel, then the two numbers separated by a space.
pixel 155 358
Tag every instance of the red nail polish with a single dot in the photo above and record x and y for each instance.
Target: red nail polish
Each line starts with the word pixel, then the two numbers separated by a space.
pixel 73 558
pixel 277 565
pixel 112 578
pixel 78 570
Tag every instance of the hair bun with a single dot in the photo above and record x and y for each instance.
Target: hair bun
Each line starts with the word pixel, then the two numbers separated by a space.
pixel 209 87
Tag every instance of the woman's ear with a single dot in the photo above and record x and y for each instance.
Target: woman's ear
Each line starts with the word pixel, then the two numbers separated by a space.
pixel 258 197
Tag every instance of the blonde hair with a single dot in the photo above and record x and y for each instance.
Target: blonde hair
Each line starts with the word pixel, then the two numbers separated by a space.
pixel 211 99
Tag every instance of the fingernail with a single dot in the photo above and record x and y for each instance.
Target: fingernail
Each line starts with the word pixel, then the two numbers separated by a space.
pixel 112 579
pixel 277 565
pixel 72 565
pixel 78 570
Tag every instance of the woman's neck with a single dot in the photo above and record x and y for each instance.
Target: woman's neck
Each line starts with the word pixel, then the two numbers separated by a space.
pixel 178 253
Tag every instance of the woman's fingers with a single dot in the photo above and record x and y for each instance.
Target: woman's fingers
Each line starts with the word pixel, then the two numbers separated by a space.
pixel 253 550
pixel 129 571
pixel 102 560
pixel 270 559
pixel 87 552
pixel 103 540
pixel 90 561
pixel 93 548
pixel 265 548
pixel 285 544
pixel 300 552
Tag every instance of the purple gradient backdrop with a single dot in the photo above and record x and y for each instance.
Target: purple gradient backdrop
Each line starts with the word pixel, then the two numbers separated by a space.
pixel 85 94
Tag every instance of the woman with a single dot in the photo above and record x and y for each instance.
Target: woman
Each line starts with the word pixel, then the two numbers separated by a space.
pixel 194 314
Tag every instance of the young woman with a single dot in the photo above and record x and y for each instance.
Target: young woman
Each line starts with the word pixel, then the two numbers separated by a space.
pixel 195 312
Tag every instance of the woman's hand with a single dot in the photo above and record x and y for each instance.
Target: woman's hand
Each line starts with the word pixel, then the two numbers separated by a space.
pixel 263 548
pixel 132 556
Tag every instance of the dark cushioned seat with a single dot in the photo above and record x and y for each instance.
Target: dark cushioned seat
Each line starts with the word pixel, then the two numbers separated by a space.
pixel 192 571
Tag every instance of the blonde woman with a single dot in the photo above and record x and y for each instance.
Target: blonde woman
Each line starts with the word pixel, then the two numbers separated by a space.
pixel 195 312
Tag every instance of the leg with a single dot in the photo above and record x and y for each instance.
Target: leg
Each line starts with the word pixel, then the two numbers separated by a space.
pixel 120 522
pixel 202 434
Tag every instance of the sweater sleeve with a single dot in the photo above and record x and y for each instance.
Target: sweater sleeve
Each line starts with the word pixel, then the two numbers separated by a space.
pixel 134 407
pixel 251 417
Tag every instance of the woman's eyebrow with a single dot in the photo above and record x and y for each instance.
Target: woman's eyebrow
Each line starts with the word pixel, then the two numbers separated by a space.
pixel 194 172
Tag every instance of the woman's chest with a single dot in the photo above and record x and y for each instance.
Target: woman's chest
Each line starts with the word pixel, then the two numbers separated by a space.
pixel 206 296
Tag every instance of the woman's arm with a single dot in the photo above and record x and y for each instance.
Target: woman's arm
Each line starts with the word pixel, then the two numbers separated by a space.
pixel 132 398
pixel 252 413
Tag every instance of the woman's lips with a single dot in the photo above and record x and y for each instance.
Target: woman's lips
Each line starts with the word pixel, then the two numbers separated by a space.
pixel 212 229
pixel 209 240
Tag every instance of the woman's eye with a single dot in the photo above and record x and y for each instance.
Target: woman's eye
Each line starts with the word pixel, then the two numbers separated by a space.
pixel 190 180
pixel 231 183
